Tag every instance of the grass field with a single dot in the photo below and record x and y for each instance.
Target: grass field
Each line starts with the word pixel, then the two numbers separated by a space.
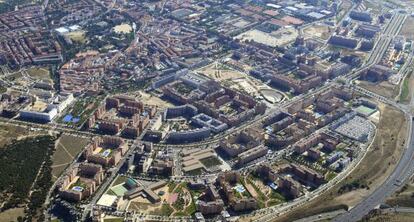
pixel 115 219
pixel 119 180
pixel 41 73
pixel 66 149
pixel 406 90
pixel 373 170
pixel 77 36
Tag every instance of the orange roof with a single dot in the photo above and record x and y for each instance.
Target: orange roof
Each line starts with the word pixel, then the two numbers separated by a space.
pixel 278 22
pixel 292 20
pixel 271 12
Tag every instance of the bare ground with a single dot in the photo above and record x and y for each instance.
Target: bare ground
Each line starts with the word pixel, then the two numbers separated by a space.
pixel 385 88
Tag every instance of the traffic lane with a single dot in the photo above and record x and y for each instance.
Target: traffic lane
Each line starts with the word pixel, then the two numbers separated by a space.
pixel 401 172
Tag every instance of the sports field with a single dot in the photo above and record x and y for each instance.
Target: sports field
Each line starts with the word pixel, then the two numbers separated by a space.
pixel 364 110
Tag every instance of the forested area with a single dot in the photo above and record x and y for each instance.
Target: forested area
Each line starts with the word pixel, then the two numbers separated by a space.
pixel 25 166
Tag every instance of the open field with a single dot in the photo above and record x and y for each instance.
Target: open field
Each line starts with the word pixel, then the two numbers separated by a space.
pixel 220 72
pixel 113 219
pixel 404 196
pixel 151 100
pixel 390 217
pixel 406 90
pixel 384 88
pixel 379 162
pixel 275 38
pixel 318 31
pixel 345 6
pixel 408 28
pixel 67 148
pixel 123 28
pixel 12 214
pixel 10 132
pixel 374 8
pixel 39 73
pixel 77 36
pixel 235 79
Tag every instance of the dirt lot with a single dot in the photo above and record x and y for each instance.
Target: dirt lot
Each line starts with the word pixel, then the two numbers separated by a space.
pixel 385 88
pixel 408 28
pixel 39 73
pixel 66 149
pixel 77 36
pixel 373 170
pixel 151 100
pixel 318 31
pixel 10 132
pixel 220 72
pixel 391 217
pixel 12 214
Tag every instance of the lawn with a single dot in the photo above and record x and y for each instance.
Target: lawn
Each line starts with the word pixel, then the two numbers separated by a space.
pixel 117 219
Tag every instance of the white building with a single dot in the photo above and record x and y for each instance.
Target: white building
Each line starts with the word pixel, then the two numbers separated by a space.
pixel 39 111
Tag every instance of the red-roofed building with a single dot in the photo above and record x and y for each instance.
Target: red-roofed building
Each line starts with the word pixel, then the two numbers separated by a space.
pixel 278 22
pixel 271 13
pixel 292 20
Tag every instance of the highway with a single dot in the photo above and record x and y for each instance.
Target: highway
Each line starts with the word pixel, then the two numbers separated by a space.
pixel 403 170
pixel 385 38
pixel 405 167
pixel 322 216
pixel 401 173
